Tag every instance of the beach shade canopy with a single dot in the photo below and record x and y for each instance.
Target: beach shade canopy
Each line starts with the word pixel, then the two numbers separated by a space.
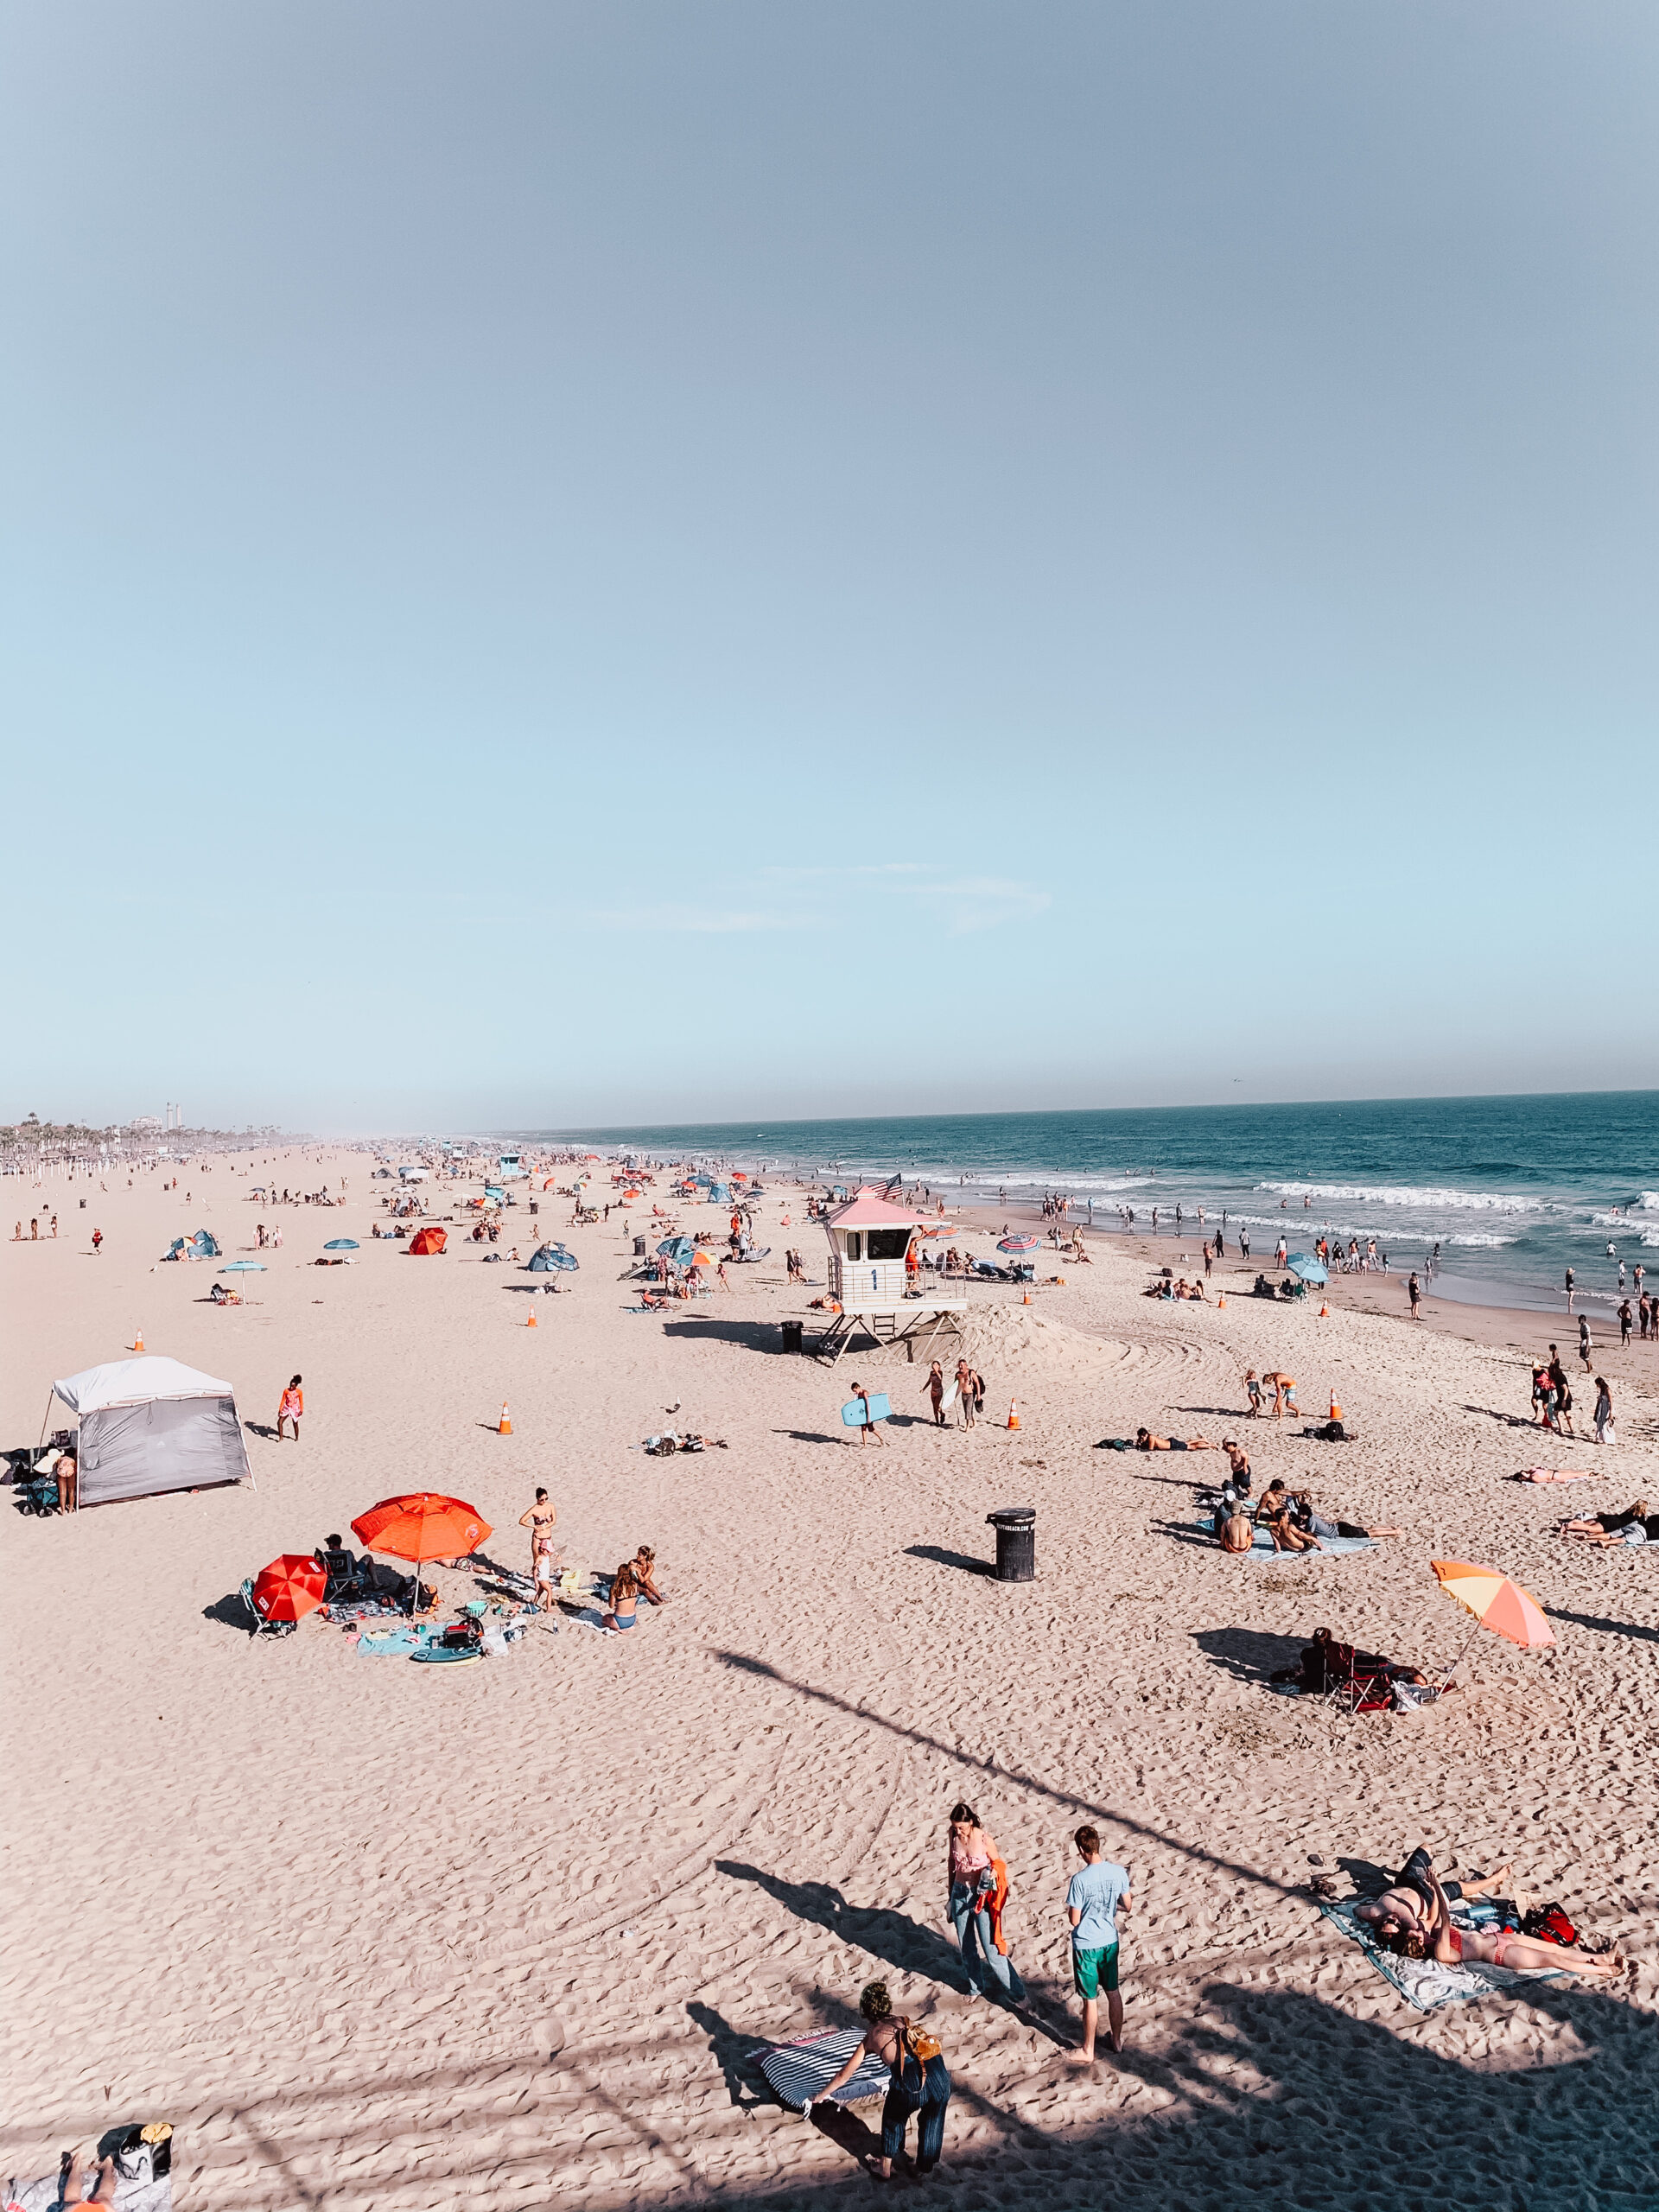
pixel 340 1244
pixel 549 1185
pixel 428 1241
pixel 290 1588
pixel 1496 1602
pixel 702 1259
pixel 152 1425
pixel 421 1525
pixel 204 1245
pixel 1305 1265
pixel 1017 1243
pixel 678 1249
pixel 551 1259
pixel 243 1267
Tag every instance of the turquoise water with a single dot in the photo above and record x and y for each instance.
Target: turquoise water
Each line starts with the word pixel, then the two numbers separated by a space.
pixel 1515 1190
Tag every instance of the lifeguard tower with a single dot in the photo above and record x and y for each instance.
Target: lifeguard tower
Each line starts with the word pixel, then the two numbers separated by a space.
pixel 870 1274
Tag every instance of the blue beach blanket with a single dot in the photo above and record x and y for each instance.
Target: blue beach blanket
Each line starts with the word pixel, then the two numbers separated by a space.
pixel 1263 1548
pixel 1426 1983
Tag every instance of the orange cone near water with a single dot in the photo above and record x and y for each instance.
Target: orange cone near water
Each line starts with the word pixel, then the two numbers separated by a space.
pixel 1014 1418
pixel 506 1428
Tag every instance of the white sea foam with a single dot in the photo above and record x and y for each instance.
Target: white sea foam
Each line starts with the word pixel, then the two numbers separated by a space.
pixel 1408 1194
pixel 1649 1202
pixel 1650 1236
pixel 1479 1236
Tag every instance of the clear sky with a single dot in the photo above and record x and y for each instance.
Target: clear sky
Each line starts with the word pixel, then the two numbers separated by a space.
pixel 641 561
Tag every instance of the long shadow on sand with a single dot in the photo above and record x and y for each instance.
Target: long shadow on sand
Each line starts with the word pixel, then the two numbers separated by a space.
pixel 1249 1655
pixel 961 1560
pixel 754 1336
pixel 891 1936
pixel 1637 1630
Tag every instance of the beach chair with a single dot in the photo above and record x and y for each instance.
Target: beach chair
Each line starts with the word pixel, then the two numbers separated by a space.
pixel 1360 1685
pixel 261 1625
pixel 341 1568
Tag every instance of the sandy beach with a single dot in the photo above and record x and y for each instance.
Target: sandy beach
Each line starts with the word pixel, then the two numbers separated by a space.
pixel 374 1935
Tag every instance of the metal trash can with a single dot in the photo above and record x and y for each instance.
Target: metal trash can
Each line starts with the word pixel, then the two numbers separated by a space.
pixel 791 1336
pixel 535 1205
pixel 639 1247
pixel 1016 1542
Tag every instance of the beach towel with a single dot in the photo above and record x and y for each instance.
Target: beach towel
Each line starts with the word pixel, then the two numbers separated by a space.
pixel 393 1642
pixel 799 2070
pixel 1262 1547
pixel 1426 1983
pixel 141 2191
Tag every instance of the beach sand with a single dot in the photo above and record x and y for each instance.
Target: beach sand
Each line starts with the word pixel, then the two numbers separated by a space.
pixel 375 1935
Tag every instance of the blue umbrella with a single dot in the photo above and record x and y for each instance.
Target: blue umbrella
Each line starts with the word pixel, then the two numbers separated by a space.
pixel 340 1244
pixel 1305 1265
pixel 679 1249
pixel 244 1267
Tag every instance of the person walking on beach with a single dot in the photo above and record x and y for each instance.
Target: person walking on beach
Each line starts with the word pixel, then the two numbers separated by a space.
pixel 1604 1414
pixel 1254 1389
pixel 1414 1292
pixel 1584 1345
pixel 869 1431
pixel 964 1394
pixel 1243 1243
pixel 1569 1290
pixel 919 2083
pixel 934 1389
pixel 976 1893
pixel 290 1407
pixel 1625 1316
pixel 98 1246
pixel 1098 1891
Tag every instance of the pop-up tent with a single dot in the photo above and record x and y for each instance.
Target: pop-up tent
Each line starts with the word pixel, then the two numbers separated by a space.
pixel 204 1245
pixel 429 1239
pixel 551 1260
pixel 151 1425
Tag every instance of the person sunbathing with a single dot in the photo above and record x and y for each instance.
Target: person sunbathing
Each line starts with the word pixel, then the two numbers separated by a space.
pixel 624 1595
pixel 645 1573
pixel 1407 1906
pixel 1146 1441
pixel 72 2180
pixel 1496 1947
pixel 1313 1523
pixel 1273 1513
pixel 1614 1528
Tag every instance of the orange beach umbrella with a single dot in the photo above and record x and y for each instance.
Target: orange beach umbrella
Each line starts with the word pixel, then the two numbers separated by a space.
pixel 1496 1602
pixel 421 1525
pixel 290 1588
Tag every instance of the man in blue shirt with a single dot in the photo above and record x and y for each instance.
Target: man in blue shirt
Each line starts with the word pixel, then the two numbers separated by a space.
pixel 1098 1891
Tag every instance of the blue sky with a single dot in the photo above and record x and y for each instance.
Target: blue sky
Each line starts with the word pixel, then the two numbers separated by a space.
pixel 633 563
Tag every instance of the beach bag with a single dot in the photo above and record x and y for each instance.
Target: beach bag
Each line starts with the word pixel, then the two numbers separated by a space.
pixel 920 2045
pixel 1547 1923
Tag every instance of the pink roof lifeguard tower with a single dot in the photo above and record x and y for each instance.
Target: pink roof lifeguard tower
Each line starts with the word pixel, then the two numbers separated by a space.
pixel 872 1276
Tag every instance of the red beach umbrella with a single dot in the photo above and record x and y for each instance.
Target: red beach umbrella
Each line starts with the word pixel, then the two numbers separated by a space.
pixel 290 1588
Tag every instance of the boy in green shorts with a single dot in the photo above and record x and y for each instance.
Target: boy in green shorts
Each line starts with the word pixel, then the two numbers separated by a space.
pixel 1098 1891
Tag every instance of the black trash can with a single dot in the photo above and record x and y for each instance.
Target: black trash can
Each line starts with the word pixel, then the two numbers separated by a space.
pixel 639 1247
pixel 535 1205
pixel 791 1335
pixel 1016 1542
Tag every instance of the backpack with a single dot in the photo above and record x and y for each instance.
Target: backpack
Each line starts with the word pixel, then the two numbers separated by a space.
pixel 1547 1923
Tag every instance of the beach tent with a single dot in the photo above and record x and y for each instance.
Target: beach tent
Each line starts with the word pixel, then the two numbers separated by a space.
pixel 202 1246
pixel 551 1259
pixel 428 1241
pixel 413 1174
pixel 151 1425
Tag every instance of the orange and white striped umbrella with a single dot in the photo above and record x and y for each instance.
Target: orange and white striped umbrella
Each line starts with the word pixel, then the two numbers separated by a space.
pixel 1496 1602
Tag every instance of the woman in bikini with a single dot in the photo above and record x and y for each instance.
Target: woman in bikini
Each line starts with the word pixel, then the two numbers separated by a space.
pixel 645 1573
pixel 1607 1528
pixel 1501 1946
pixel 920 2082
pixel 624 1598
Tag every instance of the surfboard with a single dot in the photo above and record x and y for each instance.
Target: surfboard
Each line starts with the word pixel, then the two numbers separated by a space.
pixel 948 1399
pixel 854 1416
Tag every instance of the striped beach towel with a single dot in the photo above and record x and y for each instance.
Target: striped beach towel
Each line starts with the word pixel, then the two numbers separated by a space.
pixel 799 2070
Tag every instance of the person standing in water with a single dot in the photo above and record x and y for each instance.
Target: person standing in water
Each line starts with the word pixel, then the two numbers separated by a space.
pixel 1569 1290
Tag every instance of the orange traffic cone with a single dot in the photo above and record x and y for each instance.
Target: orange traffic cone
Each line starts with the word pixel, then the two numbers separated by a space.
pixel 531 1322
pixel 1221 1301
pixel 506 1428
pixel 138 1340
pixel 1014 1418
pixel 1325 1313
pixel 1336 1410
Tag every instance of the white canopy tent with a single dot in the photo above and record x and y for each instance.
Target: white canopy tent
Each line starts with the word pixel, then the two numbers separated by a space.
pixel 151 1425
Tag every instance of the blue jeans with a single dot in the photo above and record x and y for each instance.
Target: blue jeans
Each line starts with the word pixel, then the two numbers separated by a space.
pixel 917 2089
pixel 973 1927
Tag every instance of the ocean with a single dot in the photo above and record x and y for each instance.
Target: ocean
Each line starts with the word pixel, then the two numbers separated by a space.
pixel 1515 1191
